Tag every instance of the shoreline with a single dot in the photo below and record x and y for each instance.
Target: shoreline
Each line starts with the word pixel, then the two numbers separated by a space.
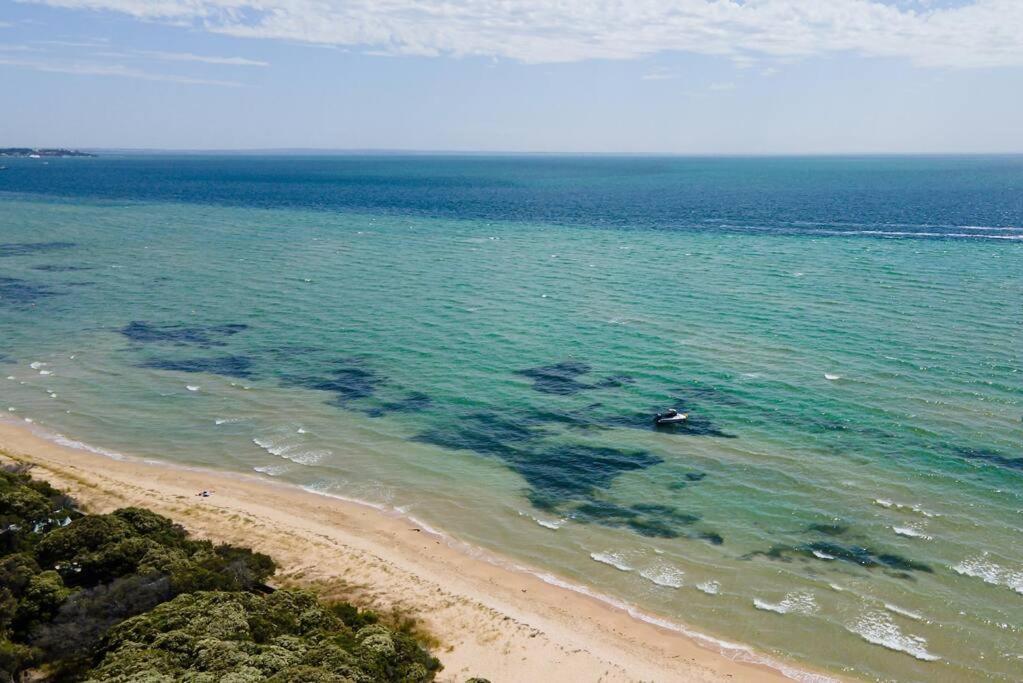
pixel 492 617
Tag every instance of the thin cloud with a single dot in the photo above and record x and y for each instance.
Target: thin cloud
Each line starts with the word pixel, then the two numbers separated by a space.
pixel 205 59
pixel 179 57
pixel 978 33
pixel 659 75
pixel 114 70
pixel 94 42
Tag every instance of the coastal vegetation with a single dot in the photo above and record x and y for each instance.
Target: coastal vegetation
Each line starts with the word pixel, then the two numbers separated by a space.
pixel 129 596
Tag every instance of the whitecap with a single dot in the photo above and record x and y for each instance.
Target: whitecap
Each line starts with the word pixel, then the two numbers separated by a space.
pixel 28 419
pixel 831 377
pixel 192 387
pixel 300 431
pixel 308 457
pixel 823 555
pixel 792 603
pixel 902 507
pixel 709 587
pixel 613 559
pixel 36 365
pixel 878 628
pixel 911 532
pixel 82 446
pixel 982 568
pixel 11 377
pixel 665 575
pixel 292 452
pixel 904 612
pixel 549 525
pixel 272 470
pixel 45 372
pixel 545 523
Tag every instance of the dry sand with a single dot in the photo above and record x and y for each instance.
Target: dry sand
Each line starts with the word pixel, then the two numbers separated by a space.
pixel 490 619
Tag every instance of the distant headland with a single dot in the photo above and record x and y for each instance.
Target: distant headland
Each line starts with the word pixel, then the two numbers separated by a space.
pixel 39 153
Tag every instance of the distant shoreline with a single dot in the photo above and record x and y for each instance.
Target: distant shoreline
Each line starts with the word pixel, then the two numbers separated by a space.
pixel 492 618
pixel 41 152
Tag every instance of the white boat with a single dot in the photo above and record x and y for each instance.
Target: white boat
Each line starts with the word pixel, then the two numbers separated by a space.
pixel 670 417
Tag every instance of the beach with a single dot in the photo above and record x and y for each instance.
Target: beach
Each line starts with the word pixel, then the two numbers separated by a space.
pixel 490 619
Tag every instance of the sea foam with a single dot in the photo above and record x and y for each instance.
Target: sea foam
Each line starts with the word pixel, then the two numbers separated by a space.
pixel 613 559
pixel 792 603
pixel 665 575
pixel 981 567
pixel 878 628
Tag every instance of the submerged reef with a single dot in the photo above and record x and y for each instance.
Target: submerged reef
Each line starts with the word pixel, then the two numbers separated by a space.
pixel 19 293
pixel 564 476
pixel 28 248
pixel 229 366
pixel 179 334
pixel 829 551
pixel 564 378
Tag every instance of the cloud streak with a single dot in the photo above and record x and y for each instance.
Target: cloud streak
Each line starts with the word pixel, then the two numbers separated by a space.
pixel 979 33
pixel 114 70
pixel 204 59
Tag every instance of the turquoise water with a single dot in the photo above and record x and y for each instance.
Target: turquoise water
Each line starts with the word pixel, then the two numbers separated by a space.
pixel 480 343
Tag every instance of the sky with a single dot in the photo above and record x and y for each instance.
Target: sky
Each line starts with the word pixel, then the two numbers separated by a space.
pixel 615 76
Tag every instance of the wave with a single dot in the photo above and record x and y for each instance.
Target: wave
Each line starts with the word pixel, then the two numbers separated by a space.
pixel 358 501
pixel 792 603
pixel 904 612
pixel 82 446
pixel 709 587
pixel 546 523
pixel 613 559
pixel 292 452
pixel 901 507
pixel 665 575
pixel 989 572
pixel 909 233
pixel 877 628
pixel 734 651
pixel 911 532
pixel 272 470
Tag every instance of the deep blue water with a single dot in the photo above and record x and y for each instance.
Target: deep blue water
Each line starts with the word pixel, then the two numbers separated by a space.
pixel 924 195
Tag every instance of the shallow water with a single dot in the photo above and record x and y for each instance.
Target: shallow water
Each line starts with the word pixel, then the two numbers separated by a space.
pixel 482 341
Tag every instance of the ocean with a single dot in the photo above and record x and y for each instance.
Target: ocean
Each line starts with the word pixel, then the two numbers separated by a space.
pixel 481 343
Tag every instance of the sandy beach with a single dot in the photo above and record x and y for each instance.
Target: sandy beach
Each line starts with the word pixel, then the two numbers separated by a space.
pixel 489 618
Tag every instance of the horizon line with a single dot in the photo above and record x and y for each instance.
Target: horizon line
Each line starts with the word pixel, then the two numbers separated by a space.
pixel 384 151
